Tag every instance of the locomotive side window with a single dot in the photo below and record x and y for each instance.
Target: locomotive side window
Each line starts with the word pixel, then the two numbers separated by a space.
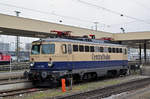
pixel 86 48
pixel 48 48
pixel 120 50
pixel 109 50
pixel 35 49
pixel 113 50
pixel 69 48
pixel 81 48
pixel 125 51
pixel 91 48
pixel 96 49
pixel 64 48
pixel 117 50
pixel 105 49
pixel 75 48
pixel 101 49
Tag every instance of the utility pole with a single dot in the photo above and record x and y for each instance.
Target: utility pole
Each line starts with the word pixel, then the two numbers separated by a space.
pixel 96 25
pixel 17 40
pixel 123 30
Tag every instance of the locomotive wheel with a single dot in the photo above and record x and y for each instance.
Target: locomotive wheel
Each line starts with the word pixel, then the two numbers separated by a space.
pixel 76 78
pixel 89 76
pixel 112 73
pixel 94 76
pixel 123 72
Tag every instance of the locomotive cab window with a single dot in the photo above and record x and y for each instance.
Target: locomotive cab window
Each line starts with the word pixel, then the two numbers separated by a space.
pixel 35 49
pixel 48 48
pixel 64 48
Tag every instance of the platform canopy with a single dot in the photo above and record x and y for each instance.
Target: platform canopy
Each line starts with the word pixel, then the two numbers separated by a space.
pixel 133 39
pixel 18 26
pixel 12 25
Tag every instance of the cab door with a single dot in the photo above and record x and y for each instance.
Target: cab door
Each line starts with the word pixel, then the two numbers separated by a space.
pixel 67 53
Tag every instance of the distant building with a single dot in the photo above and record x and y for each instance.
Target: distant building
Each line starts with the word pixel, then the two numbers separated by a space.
pixel 28 47
pixel 4 47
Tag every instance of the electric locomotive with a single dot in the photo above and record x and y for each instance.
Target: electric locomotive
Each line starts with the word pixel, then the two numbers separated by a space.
pixel 4 59
pixel 55 58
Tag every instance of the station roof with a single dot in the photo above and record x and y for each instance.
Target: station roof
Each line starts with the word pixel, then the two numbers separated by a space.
pixel 132 36
pixel 133 39
pixel 12 25
pixel 18 26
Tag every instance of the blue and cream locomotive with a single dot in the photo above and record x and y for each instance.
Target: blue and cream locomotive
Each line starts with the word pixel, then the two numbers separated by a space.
pixel 55 58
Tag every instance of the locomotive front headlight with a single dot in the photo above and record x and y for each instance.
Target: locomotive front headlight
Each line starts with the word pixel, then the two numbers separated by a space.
pixel 32 64
pixel 50 63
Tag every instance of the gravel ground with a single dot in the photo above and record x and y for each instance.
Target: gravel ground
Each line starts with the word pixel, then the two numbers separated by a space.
pixel 143 93
pixel 77 88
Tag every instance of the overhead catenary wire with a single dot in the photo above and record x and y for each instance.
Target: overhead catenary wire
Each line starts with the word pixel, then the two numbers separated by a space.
pixel 49 13
pixel 124 23
pixel 114 12
pixel 140 4
pixel 75 18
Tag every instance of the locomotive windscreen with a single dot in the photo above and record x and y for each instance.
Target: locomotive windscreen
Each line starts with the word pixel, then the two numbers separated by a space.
pixel 35 49
pixel 48 48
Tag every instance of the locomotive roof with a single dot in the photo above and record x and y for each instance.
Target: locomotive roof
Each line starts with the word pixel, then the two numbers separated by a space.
pixel 78 41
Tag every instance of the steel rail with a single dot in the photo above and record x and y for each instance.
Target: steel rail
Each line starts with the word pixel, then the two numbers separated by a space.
pixel 108 91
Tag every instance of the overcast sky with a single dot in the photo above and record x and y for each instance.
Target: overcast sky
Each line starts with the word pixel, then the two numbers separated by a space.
pixel 111 15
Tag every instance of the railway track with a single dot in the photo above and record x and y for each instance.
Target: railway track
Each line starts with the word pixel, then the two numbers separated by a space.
pixel 15 66
pixel 20 91
pixel 15 87
pixel 13 81
pixel 108 91
pixel 25 86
